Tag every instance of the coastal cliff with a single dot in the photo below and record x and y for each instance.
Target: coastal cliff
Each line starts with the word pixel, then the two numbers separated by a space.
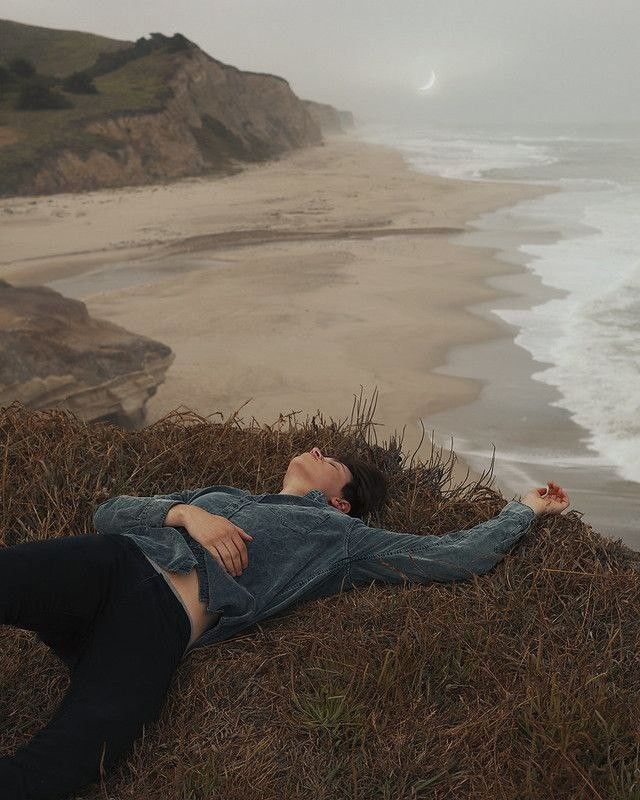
pixel 53 353
pixel 162 109
pixel 330 119
pixel 216 118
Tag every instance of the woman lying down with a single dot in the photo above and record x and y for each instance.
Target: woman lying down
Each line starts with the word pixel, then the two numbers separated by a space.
pixel 176 572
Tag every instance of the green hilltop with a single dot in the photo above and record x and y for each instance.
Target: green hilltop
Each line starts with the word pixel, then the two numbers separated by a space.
pixel 53 52
pixel 128 77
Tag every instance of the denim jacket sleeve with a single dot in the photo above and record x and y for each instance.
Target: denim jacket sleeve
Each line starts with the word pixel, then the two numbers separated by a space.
pixel 129 514
pixel 378 554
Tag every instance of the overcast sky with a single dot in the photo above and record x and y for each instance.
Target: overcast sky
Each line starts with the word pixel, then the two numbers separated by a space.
pixel 515 61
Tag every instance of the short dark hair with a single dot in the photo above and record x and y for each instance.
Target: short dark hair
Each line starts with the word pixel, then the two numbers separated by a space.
pixel 367 490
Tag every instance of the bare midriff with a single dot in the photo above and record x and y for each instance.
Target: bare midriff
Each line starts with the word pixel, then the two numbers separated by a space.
pixel 186 585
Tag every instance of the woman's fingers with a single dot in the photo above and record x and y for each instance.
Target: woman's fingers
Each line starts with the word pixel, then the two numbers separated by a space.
pixel 230 557
pixel 557 490
pixel 236 545
pixel 554 498
pixel 238 550
pixel 242 546
pixel 242 550
pixel 235 556
pixel 224 556
pixel 219 556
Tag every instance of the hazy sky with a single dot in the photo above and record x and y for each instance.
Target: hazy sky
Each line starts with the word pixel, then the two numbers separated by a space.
pixel 502 60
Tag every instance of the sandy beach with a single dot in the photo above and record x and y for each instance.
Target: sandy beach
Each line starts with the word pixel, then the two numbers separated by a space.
pixel 289 285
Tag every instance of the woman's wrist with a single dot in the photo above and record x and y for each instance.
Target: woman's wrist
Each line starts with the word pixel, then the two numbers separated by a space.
pixel 537 510
pixel 534 501
pixel 177 515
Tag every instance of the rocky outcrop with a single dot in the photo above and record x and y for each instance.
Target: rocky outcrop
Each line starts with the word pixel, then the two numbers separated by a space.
pixel 215 118
pixel 346 119
pixel 52 353
pixel 329 118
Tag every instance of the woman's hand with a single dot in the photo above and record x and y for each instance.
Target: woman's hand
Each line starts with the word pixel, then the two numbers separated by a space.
pixel 549 499
pixel 224 540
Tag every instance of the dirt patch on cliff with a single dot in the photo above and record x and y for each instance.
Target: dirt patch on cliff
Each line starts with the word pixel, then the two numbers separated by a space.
pixel 8 135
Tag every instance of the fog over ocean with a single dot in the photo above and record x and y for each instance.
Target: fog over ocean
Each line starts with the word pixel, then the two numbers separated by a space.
pixel 583 242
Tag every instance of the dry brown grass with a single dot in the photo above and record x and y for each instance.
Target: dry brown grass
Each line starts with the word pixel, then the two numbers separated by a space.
pixel 522 683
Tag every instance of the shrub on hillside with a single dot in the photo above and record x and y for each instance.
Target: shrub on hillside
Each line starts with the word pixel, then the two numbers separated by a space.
pixel 79 83
pixel 177 43
pixel 22 68
pixel 37 96
pixel 7 79
pixel 108 62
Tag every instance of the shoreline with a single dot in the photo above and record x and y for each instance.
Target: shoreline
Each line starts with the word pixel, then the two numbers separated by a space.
pixel 535 435
pixel 369 260
pixel 535 439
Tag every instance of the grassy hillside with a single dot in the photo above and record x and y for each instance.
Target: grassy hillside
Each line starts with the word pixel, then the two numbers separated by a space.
pixel 32 136
pixel 53 52
pixel 522 683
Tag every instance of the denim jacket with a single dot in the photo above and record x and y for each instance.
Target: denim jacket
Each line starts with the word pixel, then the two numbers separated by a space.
pixel 303 548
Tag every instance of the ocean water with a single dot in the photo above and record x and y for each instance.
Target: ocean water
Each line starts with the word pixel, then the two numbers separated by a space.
pixel 582 242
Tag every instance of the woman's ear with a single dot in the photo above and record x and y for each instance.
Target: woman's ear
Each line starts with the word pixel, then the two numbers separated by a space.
pixel 341 504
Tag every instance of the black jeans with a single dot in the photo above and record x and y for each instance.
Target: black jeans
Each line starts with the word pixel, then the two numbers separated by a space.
pixel 113 619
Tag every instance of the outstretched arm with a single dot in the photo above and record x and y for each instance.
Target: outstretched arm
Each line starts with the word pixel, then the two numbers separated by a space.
pixel 378 554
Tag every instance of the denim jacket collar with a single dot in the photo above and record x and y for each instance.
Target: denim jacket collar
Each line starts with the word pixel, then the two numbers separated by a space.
pixel 315 497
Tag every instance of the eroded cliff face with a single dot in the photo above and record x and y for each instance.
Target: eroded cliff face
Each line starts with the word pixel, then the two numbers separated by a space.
pixel 330 119
pixel 217 118
pixel 53 353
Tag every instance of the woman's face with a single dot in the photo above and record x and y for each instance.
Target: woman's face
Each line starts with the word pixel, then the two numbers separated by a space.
pixel 317 471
